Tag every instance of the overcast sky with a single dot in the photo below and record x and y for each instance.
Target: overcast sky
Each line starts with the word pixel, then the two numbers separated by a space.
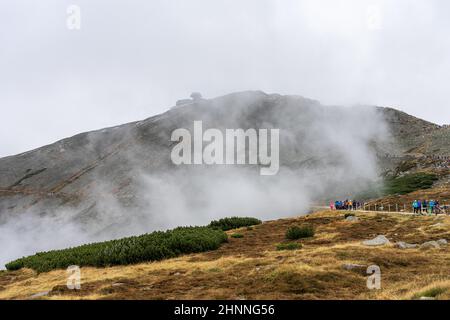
pixel 133 59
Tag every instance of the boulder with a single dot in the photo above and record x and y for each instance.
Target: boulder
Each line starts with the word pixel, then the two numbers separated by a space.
pixel 118 284
pixel 437 225
pixel 442 242
pixel 430 245
pixel 352 218
pixel 380 240
pixel 40 294
pixel 405 245
pixel 427 298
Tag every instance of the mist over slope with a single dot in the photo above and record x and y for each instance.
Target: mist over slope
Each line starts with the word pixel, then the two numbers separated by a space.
pixel 120 181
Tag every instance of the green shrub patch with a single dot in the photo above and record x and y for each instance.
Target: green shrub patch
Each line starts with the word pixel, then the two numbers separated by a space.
pixel 234 223
pixel 148 247
pixel 237 235
pixel 409 183
pixel 289 246
pixel 294 233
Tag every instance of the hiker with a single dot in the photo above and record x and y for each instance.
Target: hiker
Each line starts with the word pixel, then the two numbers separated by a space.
pixel 332 206
pixel 415 206
pixel 419 205
pixel 431 205
pixel 354 204
pixel 425 206
pixel 438 207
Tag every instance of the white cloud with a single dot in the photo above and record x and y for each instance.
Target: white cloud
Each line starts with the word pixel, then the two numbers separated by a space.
pixel 132 60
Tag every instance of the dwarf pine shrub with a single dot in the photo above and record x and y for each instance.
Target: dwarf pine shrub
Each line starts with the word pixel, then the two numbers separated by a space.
pixel 148 247
pixel 234 222
pixel 410 183
pixel 294 233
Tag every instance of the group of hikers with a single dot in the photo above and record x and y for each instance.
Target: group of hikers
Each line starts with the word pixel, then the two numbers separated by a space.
pixel 419 206
pixel 424 206
pixel 346 205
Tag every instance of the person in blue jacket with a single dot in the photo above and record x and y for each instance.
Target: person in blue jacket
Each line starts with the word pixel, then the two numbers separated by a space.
pixel 415 206
pixel 431 205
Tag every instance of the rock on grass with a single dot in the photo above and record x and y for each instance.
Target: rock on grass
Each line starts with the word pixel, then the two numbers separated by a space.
pixel 380 240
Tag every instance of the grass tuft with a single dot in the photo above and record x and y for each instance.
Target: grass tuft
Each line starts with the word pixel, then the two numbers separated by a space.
pixel 237 235
pixel 431 293
pixel 289 246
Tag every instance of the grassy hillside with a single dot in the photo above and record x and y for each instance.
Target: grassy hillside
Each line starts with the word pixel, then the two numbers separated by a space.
pixel 252 267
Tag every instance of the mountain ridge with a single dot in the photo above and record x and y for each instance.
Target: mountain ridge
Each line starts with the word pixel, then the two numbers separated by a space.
pixel 14 168
pixel 119 181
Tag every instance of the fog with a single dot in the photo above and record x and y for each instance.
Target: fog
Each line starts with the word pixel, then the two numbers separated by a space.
pixel 133 59
pixel 319 157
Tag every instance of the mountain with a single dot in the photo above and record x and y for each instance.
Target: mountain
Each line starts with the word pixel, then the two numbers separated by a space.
pixel 121 180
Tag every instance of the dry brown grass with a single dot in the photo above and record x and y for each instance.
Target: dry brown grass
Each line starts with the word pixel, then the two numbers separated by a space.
pixel 252 268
